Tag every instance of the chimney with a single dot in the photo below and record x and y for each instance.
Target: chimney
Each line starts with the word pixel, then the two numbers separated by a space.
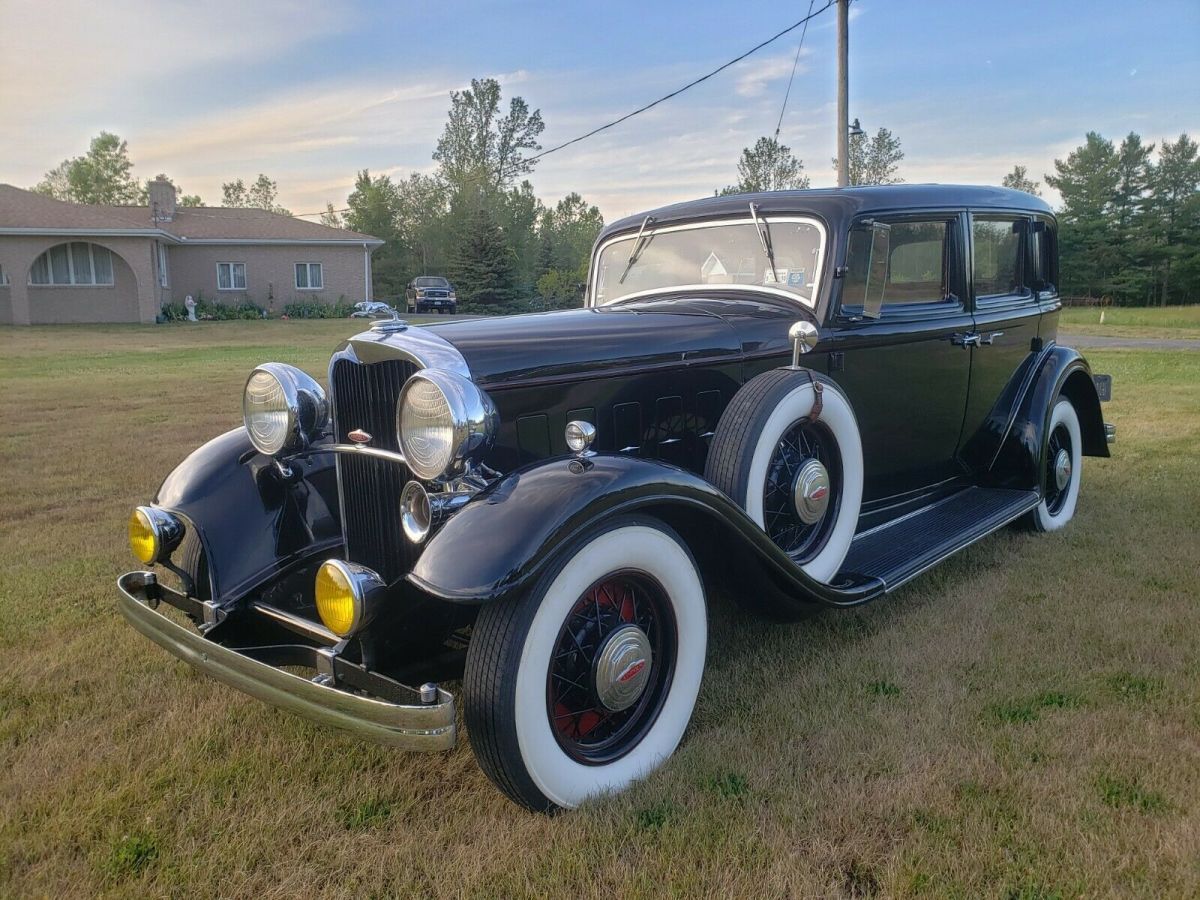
pixel 162 200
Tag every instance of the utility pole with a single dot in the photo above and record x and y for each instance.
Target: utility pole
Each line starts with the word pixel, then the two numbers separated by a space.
pixel 843 100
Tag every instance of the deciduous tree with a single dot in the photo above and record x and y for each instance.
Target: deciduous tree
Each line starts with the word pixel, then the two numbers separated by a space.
pixel 768 166
pixel 261 194
pixel 874 160
pixel 1018 180
pixel 102 175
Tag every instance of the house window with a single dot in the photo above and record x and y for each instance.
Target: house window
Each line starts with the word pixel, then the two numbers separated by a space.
pixel 309 277
pixel 73 264
pixel 163 277
pixel 231 276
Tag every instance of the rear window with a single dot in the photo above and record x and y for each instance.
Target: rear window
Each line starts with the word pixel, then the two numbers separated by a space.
pixel 997 262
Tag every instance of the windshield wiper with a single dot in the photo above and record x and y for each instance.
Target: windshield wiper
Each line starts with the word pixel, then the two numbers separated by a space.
pixel 637 248
pixel 764 238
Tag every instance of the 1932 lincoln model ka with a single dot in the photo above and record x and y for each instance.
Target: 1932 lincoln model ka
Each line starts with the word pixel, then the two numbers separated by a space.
pixel 810 396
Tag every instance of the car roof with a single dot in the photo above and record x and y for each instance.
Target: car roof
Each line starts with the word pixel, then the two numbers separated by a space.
pixel 837 204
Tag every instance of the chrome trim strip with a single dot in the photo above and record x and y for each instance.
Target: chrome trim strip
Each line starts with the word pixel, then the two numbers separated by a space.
pixel 296 623
pixel 360 449
pixel 406 727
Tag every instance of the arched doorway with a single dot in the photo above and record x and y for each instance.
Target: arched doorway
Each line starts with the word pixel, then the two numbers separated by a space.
pixel 81 281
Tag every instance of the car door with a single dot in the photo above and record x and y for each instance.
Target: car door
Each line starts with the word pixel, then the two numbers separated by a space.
pixel 1005 315
pixel 900 362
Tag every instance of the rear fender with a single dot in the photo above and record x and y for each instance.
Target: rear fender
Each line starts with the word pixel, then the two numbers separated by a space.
pixel 501 541
pixel 251 520
pixel 1060 371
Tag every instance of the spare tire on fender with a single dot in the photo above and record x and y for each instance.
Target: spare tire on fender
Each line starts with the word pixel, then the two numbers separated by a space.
pixel 787 450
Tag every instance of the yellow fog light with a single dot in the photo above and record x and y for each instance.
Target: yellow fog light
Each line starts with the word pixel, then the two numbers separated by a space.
pixel 153 533
pixel 142 539
pixel 345 593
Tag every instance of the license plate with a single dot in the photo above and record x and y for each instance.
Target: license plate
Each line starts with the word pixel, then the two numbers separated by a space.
pixel 1103 387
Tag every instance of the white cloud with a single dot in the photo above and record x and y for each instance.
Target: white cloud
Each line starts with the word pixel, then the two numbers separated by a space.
pixel 755 76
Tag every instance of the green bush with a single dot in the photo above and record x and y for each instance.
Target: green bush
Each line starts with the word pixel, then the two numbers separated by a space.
pixel 311 309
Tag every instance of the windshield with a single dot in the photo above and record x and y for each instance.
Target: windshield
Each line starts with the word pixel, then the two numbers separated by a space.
pixel 713 254
pixel 428 281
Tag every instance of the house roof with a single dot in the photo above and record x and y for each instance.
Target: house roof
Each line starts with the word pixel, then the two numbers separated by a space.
pixel 28 212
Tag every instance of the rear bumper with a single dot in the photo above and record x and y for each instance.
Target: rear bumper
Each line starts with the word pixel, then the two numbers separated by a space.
pixel 256 671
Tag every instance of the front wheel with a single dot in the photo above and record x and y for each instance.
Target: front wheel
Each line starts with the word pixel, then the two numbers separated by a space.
pixel 587 682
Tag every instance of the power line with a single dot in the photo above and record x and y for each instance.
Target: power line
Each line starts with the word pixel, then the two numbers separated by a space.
pixel 675 93
pixel 792 77
pixel 688 86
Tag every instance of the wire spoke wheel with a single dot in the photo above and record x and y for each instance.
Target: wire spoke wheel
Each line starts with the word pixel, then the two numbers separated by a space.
pixel 611 667
pixel 799 506
pixel 1058 468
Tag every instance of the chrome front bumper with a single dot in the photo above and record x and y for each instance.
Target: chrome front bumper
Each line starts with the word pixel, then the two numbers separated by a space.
pixel 416 726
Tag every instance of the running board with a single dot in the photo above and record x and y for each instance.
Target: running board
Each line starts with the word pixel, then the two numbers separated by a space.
pixel 905 547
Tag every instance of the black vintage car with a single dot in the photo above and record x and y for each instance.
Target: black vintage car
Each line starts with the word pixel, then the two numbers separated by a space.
pixel 431 293
pixel 812 397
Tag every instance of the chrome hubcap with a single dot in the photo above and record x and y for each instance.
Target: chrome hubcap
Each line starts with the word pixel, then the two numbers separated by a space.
pixel 810 492
pixel 1062 469
pixel 623 668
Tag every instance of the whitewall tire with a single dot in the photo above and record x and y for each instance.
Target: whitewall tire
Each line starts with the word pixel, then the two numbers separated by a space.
pixel 773 457
pixel 586 683
pixel 1062 468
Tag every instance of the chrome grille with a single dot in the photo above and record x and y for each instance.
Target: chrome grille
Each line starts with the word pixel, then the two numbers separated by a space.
pixel 364 398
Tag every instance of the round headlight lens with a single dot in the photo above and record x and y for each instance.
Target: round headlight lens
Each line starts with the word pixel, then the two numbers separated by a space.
pixel 426 428
pixel 143 539
pixel 283 408
pixel 443 421
pixel 266 412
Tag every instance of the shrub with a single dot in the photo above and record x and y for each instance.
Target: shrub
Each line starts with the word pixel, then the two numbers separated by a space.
pixel 311 309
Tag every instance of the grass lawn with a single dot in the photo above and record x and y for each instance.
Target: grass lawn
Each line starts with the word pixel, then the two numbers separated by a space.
pixel 1134 322
pixel 1024 721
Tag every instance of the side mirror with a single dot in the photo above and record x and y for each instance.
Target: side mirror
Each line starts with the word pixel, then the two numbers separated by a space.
pixel 877 269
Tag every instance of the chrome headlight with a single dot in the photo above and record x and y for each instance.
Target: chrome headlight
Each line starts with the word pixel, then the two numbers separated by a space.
pixel 283 408
pixel 442 422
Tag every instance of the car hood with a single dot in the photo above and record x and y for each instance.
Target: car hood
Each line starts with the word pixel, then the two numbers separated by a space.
pixel 586 342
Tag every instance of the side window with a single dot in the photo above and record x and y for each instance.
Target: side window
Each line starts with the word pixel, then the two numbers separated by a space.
pixel 998 268
pixel 1043 274
pixel 918 266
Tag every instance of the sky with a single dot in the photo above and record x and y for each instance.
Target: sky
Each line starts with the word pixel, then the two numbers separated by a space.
pixel 311 92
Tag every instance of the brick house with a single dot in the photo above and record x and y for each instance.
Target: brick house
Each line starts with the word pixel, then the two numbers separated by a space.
pixel 70 262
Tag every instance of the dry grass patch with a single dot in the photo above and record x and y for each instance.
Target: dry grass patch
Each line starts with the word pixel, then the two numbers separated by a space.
pixel 1023 721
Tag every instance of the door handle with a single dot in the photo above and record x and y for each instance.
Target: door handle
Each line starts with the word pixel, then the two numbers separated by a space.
pixel 990 338
pixel 965 340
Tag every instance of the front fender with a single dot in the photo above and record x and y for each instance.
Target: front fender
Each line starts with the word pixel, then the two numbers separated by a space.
pixel 250 519
pixel 500 542
pixel 1059 371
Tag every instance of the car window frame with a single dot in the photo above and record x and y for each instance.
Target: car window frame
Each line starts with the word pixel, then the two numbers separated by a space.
pixel 1009 300
pixel 955 275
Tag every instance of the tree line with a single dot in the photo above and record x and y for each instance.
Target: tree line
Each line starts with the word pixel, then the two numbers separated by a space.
pixel 1129 221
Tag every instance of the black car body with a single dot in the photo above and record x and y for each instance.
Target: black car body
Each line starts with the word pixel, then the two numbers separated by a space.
pixel 850 386
pixel 431 293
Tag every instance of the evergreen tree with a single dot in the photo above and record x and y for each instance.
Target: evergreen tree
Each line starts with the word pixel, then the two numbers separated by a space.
pixel 1087 181
pixel 481 265
pixel 1175 221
